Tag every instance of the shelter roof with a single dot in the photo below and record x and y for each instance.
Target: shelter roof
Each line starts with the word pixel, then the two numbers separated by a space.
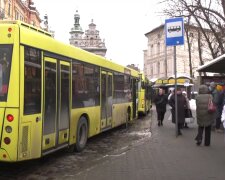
pixel 216 65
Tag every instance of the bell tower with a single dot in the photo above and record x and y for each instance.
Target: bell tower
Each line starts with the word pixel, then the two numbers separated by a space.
pixel 90 40
pixel 76 32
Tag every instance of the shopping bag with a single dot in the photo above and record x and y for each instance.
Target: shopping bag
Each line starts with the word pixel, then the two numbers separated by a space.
pixel 189 120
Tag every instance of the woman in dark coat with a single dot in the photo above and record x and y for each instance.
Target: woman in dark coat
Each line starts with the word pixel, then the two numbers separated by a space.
pixel 204 119
pixel 181 105
pixel 160 102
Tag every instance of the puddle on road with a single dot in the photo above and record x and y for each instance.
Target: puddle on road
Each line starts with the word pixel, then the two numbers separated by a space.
pixel 145 133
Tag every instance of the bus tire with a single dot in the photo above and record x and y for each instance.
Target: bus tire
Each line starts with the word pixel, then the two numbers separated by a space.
pixel 129 114
pixel 82 134
pixel 128 117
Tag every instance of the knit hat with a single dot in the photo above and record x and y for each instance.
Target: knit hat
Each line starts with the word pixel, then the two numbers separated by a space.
pixel 212 84
pixel 219 88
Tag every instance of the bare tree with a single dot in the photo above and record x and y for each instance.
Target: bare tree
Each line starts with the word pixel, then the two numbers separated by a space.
pixel 207 15
pixel 200 49
pixel 223 5
pixel 186 28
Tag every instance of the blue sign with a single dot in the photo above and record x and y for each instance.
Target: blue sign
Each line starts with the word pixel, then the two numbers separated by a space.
pixel 174 31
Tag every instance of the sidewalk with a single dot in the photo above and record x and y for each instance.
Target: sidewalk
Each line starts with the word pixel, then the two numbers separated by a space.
pixel 165 157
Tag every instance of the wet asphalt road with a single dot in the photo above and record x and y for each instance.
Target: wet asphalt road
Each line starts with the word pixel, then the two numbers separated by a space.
pixel 64 165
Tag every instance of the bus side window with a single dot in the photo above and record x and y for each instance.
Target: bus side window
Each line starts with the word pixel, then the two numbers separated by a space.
pixel 32 81
pixel 5 66
pixel 85 84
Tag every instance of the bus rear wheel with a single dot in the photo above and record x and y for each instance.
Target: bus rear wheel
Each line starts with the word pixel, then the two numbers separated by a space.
pixel 82 134
pixel 128 116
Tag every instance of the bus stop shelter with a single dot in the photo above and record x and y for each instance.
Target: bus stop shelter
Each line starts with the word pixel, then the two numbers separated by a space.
pixel 215 66
pixel 168 84
pixel 160 83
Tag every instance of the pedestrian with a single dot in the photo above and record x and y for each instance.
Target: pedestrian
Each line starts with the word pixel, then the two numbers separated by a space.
pixel 223 116
pixel 181 105
pixel 219 107
pixel 160 102
pixel 212 90
pixel 204 118
pixel 188 112
pixel 215 95
pixel 170 94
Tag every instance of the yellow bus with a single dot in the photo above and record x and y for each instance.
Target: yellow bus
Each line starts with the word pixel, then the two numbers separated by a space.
pixel 144 95
pixel 54 95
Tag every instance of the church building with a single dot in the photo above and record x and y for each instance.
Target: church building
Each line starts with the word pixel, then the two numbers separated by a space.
pixel 89 40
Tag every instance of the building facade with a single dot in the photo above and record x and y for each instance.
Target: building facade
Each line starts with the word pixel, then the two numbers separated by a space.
pixel 132 66
pixel 89 40
pixel 23 10
pixel 159 59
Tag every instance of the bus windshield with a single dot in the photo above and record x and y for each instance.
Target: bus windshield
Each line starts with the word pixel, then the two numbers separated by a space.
pixel 5 66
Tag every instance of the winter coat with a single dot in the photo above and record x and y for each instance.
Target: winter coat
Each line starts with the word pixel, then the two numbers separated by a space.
pixel 160 102
pixel 181 106
pixel 223 114
pixel 203 117
pixel 215 95
pixel 219 105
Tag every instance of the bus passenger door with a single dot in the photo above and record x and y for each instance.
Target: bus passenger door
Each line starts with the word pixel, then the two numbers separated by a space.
pixel 56 104
pixel 134 97
pixel 50 104
pixel 64 103
pixel 106 100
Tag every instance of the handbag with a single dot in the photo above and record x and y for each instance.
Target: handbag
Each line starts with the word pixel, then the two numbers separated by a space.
pixel 211 106
pixel 189 120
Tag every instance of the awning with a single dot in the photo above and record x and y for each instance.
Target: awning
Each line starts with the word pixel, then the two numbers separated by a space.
pixel 216 65
pixel 179 84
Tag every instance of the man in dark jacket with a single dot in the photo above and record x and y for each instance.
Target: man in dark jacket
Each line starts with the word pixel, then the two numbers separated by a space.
pixel 218 95
pixel 181 105
pixel 160 102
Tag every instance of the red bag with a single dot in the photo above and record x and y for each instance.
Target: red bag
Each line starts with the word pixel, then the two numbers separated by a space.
pixel 211 106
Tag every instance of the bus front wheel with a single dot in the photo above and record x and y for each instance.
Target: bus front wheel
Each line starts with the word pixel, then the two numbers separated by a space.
pixel 82 134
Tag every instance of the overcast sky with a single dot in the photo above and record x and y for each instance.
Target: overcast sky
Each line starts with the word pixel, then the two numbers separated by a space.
pixel 122 23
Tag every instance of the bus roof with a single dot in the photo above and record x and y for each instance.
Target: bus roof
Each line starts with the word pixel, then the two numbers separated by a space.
pixel 38 38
